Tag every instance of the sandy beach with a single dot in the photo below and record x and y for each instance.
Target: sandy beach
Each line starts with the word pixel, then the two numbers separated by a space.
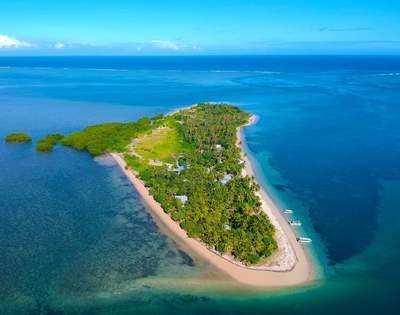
pixel 289 266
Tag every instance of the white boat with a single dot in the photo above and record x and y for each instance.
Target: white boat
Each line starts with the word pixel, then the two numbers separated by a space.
pixel 295 223
pixel 288 211
pixel 304 240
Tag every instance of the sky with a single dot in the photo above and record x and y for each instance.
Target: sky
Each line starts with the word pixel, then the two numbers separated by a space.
pixel 176 27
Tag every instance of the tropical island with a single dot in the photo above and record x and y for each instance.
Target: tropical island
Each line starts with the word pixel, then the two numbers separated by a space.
pixel 191 165
pixel 47 143
pixel 191 170
pixel 18 137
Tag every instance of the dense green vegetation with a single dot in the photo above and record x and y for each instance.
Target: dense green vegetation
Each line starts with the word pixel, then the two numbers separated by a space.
pixel 228 218
pixel 47 143
pixel 114 137
pixel 18 137
pixel 187 154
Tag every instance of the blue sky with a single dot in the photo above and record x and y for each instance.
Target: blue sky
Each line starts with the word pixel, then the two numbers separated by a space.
pixel 130 27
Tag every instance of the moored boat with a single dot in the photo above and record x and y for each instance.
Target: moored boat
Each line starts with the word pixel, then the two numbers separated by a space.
pixel 295 223
pixel 304 240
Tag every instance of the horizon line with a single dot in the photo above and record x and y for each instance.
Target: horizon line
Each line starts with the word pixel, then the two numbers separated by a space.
pixel 216 55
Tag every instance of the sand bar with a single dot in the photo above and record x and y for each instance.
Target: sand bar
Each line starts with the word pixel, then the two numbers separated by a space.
pixel 289 266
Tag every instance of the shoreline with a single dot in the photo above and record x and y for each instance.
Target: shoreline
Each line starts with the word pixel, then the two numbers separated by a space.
pixel 289 266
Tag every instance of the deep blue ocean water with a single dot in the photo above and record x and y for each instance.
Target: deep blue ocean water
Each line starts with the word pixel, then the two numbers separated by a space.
pixel 76 239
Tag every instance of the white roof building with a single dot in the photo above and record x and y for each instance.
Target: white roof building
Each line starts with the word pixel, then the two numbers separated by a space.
pixel 227 227
pixel 182 198
pixel 226 179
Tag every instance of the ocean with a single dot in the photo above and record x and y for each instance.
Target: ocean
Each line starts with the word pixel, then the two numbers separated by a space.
pixel 75 238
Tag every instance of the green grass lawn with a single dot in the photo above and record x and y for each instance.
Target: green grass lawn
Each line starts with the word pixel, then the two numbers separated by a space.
pixel 163 144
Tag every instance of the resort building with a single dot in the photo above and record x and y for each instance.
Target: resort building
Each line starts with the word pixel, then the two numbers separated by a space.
pixel 182 198
pixel 226 179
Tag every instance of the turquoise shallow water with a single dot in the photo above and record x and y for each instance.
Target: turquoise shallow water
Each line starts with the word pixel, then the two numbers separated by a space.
pixel 76 239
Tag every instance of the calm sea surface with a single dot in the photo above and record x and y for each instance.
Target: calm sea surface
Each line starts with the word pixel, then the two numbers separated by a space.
pixel 75 237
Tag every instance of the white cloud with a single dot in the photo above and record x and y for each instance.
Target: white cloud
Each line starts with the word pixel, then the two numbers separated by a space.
pixel 59 45
pixel 9 42
pixel 165 44
pixel 150 46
